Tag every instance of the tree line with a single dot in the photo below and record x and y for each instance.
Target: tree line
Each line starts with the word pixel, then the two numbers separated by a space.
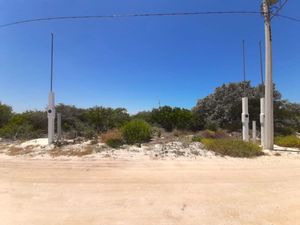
pixel 219 110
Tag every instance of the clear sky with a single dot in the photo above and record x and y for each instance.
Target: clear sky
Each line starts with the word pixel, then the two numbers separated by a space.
pixel 137 62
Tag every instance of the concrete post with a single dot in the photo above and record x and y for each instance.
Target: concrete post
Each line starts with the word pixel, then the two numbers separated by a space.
pixel 245 119
pixel 51 117
pixel 269 117
pixel 262 121
pixel 254 131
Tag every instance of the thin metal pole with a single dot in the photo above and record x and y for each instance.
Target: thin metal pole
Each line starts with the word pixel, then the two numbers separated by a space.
pixel 244 61
pixel 52 48
pixel 269 111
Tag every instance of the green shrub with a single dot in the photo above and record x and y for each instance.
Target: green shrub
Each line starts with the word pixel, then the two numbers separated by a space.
pixel 115 142
pixel 196 139
pixel 288 141
pixel 233 147
pixel 136 132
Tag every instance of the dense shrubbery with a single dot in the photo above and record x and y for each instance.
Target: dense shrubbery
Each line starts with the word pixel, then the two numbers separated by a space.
pixel 75 122
pixel 5 114
pixel 31 124
pixel 222 109
pixel 133 132
pixel 233 147
pixel 175 118
pixel 288 141
pixel 136 132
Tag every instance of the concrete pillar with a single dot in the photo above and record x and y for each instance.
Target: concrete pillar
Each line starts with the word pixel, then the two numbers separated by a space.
pixel 51 117
pixel 254 131
pixel 245 119
pixel 262 121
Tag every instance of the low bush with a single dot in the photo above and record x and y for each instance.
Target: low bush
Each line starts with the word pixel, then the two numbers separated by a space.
pixel 233 147
pixel 196 139
pixel 214 134
pixel 288 141
pixel 113 138
pixel 136 132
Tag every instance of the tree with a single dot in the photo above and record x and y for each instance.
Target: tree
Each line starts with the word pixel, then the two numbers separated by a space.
pixel 176 118
pixel 5 114
pixel 224 107
pixel 104 119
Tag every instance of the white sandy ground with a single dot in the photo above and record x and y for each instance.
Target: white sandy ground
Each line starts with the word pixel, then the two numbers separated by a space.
pixel 131 187
pixel 262 191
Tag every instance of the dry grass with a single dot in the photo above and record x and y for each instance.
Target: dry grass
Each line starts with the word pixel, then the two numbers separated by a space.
pixel 112 134
pixel 14 151
pixel 113 138
pixel 56 152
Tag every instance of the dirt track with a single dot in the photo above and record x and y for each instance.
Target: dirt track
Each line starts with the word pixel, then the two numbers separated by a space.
pixel 259 191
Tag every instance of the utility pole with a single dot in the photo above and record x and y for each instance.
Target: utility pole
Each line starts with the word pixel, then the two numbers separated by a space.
pixel 269 114
pixel 262 99
pixel 245 112
pixel 51 102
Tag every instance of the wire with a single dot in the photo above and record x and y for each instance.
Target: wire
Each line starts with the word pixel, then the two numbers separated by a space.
pixel 288 18
pixel 279 8
pixel 128 15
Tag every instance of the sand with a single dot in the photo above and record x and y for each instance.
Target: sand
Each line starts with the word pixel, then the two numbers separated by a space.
pixel 221 191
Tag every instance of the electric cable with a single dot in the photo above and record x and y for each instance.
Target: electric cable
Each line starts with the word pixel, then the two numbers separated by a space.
pixel 128 16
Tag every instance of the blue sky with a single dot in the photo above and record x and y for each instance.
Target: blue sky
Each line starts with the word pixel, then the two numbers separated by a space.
pixel 137 62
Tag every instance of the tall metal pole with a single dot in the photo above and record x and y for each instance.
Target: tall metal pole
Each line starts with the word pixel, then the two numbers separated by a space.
pixel 245 112
pixel 244 61
pixel 51 103
pixel 51 78
pixel 269 116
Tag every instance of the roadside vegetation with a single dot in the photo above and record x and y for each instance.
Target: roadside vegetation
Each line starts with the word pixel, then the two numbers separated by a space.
pixel 291 141
pixel 232 147
pixel 214 121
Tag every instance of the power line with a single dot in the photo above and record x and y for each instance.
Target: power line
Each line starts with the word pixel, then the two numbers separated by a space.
pixel 281 5
pixel 129 15
pixel 285 17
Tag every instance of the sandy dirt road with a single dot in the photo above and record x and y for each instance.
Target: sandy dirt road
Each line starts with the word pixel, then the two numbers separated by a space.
pixel 262 191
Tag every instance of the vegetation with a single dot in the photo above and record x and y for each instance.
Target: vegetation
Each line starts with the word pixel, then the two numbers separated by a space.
pixel 31 124
pixel 5 114
pixel 233 147
pixel 175 118
pixel 288 141
pixel 56 152
pixel 136 132
pixel 113 138
pixel 197 139
pixel 220 110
